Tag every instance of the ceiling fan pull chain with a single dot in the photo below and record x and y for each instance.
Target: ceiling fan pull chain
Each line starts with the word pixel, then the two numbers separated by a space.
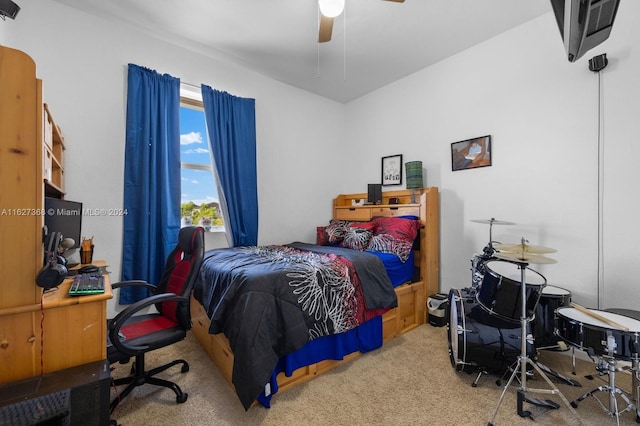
pixel 318 47
pixel 344 44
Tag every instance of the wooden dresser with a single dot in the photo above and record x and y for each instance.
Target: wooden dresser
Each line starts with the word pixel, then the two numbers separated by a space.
pixel 38 333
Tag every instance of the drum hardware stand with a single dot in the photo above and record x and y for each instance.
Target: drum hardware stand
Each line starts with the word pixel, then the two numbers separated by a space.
pixel 554 373
pixel 608 365
pixel 480 373
pixel 635 384
pixel 522 362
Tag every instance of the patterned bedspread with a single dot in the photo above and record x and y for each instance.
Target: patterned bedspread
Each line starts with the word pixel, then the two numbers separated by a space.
pixel 271 300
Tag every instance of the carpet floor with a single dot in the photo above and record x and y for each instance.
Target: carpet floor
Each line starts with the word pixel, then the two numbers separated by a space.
pixel 409 381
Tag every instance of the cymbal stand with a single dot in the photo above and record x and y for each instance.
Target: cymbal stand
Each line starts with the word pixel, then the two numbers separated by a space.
pixel 521 366
pixel 609 363
pixel 635 383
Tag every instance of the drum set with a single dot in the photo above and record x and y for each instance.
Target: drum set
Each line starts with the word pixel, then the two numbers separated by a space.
pixel 485 331
pixel 509 313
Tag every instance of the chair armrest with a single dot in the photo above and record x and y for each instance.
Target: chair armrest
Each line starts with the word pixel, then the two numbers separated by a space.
pixel 116 323
pixel 133 283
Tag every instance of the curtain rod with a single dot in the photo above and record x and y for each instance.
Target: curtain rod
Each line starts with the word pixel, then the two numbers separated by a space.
pixel 190 85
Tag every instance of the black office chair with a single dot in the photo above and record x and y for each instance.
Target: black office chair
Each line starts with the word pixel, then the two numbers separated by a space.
pixel 132 335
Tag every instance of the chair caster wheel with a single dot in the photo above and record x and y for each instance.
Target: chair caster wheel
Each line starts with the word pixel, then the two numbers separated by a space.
pixel 185 368
pixel 498 383
pixel 182 398
pixel 474 385
pixel 574 404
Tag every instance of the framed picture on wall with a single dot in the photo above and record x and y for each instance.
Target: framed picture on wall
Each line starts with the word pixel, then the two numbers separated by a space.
pixel 471 153
pixel 392 170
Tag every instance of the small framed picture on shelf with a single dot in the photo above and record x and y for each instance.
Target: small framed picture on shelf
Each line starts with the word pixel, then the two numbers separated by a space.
pixel 392 170
pixel 471 153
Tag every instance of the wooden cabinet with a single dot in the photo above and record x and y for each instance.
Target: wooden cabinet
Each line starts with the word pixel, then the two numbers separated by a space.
pixel 39 332
pixel 53 155
pixel 21 188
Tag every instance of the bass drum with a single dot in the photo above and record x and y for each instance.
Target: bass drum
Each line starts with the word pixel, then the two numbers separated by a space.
pixel 543 324
pixel 478 341
pixel 596 337
pixel 500 293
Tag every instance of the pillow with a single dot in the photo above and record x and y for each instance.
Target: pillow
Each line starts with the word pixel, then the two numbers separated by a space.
pixel 358 235
pixel 322 238
pixel 394 235
pixel 336 230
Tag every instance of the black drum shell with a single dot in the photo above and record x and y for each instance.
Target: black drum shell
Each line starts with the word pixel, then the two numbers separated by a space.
pixel 593 338
pixel 501 296
pixel 483 342
pixel 544 323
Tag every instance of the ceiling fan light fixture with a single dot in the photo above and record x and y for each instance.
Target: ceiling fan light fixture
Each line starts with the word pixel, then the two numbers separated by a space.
pixel 331 8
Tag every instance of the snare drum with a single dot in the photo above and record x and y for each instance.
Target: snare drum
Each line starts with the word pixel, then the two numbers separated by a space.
pixel 474 345
pixel 596 337
pixel 551 299
pixel 500 291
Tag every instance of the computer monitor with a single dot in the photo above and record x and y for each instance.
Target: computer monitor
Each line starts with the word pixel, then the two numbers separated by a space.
pixel 64 216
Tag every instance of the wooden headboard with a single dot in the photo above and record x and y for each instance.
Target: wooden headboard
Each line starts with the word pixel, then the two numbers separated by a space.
pixel 426 207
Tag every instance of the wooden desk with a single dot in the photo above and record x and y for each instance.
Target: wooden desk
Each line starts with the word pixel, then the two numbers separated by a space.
pixel 61 332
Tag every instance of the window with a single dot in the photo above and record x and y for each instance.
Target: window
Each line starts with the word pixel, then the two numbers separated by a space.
pixel 199 204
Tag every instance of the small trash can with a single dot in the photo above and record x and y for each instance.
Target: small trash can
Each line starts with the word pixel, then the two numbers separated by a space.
pixel 437 304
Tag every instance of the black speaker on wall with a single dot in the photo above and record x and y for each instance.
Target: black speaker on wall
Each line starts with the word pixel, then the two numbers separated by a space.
pixel 374 195
pixel 8 9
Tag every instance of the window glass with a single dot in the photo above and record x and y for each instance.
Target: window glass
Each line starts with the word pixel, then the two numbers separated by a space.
pixel 199 204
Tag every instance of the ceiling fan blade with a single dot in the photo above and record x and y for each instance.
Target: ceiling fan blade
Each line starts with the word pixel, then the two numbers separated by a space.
pixel 326 27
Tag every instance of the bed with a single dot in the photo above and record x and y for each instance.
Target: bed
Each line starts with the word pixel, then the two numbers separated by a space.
pixel 380 305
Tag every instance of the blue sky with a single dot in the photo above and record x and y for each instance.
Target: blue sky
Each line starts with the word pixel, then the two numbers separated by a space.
pixel 197 185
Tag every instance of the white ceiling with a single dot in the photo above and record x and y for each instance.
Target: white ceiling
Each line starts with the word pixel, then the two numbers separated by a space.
pixel 374 42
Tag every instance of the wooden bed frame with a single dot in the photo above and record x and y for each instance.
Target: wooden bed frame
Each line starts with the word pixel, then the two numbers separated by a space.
pixel 412 297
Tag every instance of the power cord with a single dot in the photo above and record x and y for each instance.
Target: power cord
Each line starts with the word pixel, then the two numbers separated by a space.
pixel 597 64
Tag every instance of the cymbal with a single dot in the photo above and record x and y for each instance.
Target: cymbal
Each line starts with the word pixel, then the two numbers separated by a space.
pixel 524 258
pixel 492 221
pixel 523 248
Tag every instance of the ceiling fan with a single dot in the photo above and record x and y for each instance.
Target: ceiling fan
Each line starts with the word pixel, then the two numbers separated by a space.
pixel 330 9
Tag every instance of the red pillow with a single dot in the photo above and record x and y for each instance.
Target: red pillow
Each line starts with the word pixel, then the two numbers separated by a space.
pixel 394 235
pixel 322 238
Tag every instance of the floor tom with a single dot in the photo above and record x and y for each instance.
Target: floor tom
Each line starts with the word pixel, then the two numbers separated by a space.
pixel 543 324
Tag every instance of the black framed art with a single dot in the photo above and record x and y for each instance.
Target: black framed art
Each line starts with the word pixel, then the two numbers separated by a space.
pixel 392 170
pixel 471 153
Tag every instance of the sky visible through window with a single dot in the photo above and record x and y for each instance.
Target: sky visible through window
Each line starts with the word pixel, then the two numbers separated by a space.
pixel 197 185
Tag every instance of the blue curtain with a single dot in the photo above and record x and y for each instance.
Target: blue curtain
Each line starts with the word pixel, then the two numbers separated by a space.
pixel 231 126
pixel 151 177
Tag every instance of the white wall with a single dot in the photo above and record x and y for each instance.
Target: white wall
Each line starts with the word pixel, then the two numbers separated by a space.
pixel 82 61
pixel 542 114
